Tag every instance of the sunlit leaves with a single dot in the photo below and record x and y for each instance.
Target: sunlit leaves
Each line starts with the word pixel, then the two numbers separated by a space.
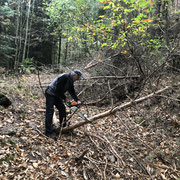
pixel 70 38
pixel 73 18
pixel 103 2
pixel 122 16
pixel 146 20
pixel 151 2
pixel 117 20
pixel 100 58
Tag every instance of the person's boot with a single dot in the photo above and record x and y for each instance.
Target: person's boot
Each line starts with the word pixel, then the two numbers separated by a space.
pixel 51 134
pixel 57 131
pixel 64 124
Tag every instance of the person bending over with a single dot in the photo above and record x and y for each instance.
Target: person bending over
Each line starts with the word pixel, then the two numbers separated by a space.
pixel 55 95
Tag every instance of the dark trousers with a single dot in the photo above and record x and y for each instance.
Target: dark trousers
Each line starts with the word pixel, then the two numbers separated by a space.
pixel 50 102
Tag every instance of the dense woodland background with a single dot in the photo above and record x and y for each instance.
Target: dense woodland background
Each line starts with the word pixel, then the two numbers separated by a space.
pixel 129 53
pixel 64 32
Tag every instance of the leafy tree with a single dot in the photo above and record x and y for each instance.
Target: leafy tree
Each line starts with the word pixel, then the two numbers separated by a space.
pixel 128 26
pixel 67 16
pixel 6 37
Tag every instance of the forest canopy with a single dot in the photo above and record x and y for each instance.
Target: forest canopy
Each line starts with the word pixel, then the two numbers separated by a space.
pixel 66 31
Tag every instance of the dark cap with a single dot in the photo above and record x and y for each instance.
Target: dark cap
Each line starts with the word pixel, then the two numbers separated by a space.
pixel 79 73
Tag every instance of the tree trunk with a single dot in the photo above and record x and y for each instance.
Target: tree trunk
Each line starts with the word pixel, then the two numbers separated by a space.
pixel 27 29
pixel 66 51
pixel 16 62
pixel 176 5
pixel 166 18
pixel 53 52
pixel 59 49
pixel 30 25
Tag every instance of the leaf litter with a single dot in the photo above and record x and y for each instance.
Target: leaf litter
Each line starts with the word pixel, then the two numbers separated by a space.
pixel 141 142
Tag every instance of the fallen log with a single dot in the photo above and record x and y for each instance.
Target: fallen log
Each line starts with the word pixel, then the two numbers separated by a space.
pixel 114 110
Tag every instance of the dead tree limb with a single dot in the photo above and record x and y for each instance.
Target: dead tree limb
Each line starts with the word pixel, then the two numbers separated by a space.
pixel 114 110
pixel 113 77
pixel 100 100
pixel 90 65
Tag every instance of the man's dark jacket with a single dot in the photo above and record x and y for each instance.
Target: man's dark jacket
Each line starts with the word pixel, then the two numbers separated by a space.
pixel 60 85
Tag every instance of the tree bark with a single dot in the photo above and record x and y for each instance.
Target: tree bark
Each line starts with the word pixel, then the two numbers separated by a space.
pixel 66 51
pixel 16 63
pixel 27 29
pixel 114 110
pixel 30 26
pixel 59 48
pixel 166 25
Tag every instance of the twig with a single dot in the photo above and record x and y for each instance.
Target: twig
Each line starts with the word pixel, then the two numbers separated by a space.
pixel 174 99
pixel 110 91
pixel 85 174
pixel 156 70
pixel 105 169
pixel 134 134
pixel 43 134
pixel 114 151
pixel 91 65
pixel 87 88
pixel 89 136
pixel 139 162
pixel 110 147
pixel 100 100
pixel 95 163
pixel 80 157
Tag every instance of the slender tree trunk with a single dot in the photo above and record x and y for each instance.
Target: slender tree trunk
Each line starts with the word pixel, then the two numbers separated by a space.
pixel 27 29
pixel 29 36
pixel 20 39
pixel 59 51
pixel 66 51
pixel 86 50
pixel 16 62
pixel 53 52
pixel 166 18
pixel 176 5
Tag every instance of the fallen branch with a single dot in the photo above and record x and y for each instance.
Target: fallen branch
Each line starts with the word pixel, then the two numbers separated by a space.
pixel 80 158
pixel 113 77
pixel 90 65
pixel 114 110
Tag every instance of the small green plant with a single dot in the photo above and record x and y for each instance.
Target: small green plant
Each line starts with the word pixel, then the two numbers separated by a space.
pixel 7 158
pixel 27 66
pixel 35 97
pixel 139 121
pixel 13 142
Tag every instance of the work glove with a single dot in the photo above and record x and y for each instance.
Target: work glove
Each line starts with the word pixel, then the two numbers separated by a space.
pixel 79 102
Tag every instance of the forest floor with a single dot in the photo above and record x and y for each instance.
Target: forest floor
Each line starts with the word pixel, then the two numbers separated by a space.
pixel 140 142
